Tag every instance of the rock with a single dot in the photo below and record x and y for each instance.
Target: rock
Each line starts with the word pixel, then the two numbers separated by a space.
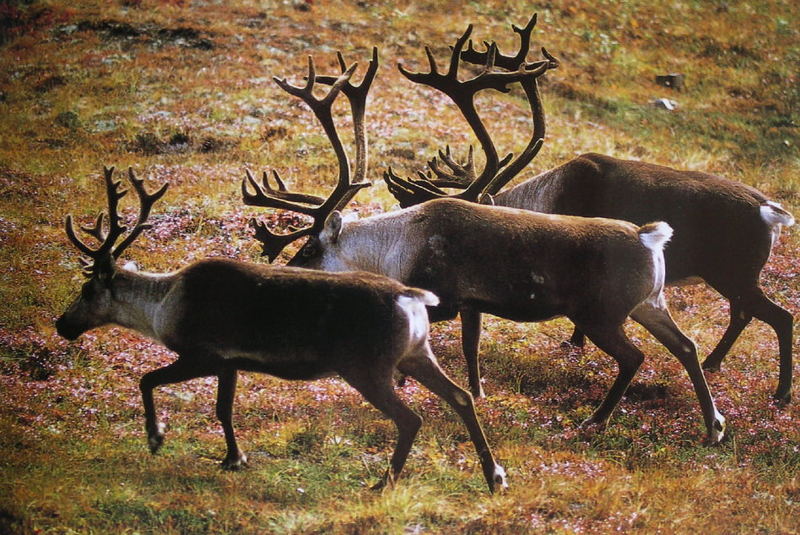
pixel 674 80
pixel 665 103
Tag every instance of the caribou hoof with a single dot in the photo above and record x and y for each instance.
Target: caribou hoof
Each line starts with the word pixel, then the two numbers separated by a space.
pixel 235 461
pixel 717 433
pixel 386 481
pixel 156 438
pixel 592 426
pixel 499 480
pixel 711 365
pixel 782 397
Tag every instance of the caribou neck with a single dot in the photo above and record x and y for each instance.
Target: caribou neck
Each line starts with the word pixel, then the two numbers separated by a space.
pixel 138 299
pixel 537 194
pixel 380 244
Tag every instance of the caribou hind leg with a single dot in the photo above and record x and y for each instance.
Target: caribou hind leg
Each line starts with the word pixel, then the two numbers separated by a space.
pixel 424 368
pixel 377 388
pixel 752 303
pixel 470 343
pixel 612 340
pixel 655 317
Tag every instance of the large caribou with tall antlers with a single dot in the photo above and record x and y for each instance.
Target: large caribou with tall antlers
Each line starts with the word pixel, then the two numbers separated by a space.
pixel 221 316
pixel 511 263
pixel 724 230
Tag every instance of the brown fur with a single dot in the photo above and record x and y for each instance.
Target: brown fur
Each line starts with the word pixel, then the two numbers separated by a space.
pixel 522 266
pixel 221 316
pixel 719 237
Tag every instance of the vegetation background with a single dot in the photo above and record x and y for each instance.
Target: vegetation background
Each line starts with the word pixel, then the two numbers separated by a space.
pixel 182 92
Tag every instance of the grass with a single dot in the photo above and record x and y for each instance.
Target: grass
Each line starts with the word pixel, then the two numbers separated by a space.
pixel 182 91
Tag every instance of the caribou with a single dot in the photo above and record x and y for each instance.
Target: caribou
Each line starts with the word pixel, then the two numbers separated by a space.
pixel 724 230
pixel 478 259
pixel 221 315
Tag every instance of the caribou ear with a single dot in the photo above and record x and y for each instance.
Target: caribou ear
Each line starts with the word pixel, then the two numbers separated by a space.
pixel 333 227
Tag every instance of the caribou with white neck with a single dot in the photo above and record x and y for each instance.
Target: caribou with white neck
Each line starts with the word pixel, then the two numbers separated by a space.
pixel 221 316
pixel 724 230
pixel 510 263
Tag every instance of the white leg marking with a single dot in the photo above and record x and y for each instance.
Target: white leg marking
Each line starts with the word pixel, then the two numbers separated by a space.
pixel 718 427
pixel 500 477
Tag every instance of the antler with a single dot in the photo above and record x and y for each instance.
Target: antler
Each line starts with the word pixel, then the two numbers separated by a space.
pixel 108 238
pixel 345 190
pixel 493 176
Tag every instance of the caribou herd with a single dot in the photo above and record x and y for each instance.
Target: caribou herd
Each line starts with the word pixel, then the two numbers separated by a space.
pixel 594 240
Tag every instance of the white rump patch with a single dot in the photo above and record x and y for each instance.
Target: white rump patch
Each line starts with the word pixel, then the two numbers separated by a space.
pixel 776 217
pixel 414 307
pixel 774 214
pixel 131 266
pixel 429 298
pixel 656 238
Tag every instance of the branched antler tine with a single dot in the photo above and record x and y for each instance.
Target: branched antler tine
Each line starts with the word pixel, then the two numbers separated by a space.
pixel 263 198
pixel 455 57
pixel 82 247
pixel 115 227
pixel 534 145
pixel 306 92
pixel 357 95
pixel 554 62
pixel 525 37
pixel 273 243
pixel 311 74
pixel 461 175
pixel 146 202
pixel 408 192
pixel 491 53
pixel 416 186
pixel 509 63
pixel 96 230
pixel 431 61
pixel 427 184
pixel 454 165
pixel 340 59
pixel 350 89
pixel 344 191
pixel 285 194
pixel 337 86
pixel 86 264
pixel 265 180
pixel 433 165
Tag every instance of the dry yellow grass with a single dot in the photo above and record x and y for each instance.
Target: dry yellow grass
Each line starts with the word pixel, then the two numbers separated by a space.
pixel 182 91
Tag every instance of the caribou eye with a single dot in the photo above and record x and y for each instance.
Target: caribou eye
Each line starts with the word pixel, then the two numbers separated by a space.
pixel 309 250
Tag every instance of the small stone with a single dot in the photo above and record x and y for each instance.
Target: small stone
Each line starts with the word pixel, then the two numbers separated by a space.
pixel 674 80
pixel 665 103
